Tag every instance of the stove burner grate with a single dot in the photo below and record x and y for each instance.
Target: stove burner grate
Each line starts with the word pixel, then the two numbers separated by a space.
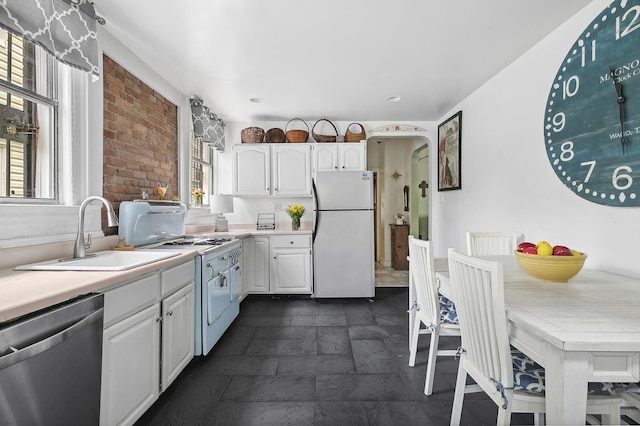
pixel 202 242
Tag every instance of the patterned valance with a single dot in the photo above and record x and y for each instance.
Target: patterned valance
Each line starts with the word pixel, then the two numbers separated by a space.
pixel 65 28
pixel 206 125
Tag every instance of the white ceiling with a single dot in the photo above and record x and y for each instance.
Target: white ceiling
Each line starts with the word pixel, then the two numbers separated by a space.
pixel 335 59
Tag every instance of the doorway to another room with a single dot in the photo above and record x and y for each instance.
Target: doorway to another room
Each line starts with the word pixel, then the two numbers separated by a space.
pixel 401 189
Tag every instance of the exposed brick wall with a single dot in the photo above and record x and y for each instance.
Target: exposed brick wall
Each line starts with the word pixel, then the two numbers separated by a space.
pixel 140 138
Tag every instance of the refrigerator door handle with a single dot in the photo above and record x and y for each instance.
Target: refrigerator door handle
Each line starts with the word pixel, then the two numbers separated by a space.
pixel 315 208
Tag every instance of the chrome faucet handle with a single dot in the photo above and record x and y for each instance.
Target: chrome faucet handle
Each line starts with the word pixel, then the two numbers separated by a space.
pixel 87 244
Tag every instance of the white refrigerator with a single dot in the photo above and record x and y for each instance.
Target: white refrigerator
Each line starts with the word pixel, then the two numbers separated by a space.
pixel 343 235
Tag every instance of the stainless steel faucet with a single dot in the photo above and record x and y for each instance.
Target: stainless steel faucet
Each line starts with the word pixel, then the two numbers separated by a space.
pixel 79 249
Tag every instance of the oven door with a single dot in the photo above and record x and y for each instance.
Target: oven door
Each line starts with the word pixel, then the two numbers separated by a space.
pixel 216 311
pixel 235 281
pixel 218 296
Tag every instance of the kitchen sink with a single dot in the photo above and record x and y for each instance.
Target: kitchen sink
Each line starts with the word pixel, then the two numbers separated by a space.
pixel 107 260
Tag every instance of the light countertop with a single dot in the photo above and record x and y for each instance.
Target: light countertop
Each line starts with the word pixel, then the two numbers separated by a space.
pixel 23 292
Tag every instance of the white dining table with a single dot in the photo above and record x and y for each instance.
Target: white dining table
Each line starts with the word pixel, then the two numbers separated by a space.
pixel 584 330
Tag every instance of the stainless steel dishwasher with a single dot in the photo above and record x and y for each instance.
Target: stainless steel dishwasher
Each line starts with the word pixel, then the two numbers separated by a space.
pixel 50 365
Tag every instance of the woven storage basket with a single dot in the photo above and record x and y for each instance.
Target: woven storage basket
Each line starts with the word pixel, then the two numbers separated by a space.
pixel 252 135
pixel 275 135
pixel 296 136
pixel 324 138
pixel 349 136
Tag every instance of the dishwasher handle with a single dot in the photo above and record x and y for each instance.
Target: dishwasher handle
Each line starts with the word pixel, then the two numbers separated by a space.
pixel 20 354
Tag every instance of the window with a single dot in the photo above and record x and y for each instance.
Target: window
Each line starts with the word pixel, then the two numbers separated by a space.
pixel 28 112
pixel 201 168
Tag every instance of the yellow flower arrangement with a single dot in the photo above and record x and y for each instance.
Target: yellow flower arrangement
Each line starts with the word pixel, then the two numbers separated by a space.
pixel 296 213
pixel 197 196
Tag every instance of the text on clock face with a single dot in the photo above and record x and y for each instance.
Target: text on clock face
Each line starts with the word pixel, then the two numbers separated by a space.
pixel 629 132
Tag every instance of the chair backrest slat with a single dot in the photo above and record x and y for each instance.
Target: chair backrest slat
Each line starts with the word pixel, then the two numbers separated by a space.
pixel 421 269
pixel 491 243
pixel 478 291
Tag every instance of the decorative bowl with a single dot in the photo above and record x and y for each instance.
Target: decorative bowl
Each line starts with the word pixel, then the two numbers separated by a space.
pixel 555 269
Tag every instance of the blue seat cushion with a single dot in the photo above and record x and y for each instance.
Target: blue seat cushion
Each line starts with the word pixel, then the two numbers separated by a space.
pixel 448 313
pixel 529 376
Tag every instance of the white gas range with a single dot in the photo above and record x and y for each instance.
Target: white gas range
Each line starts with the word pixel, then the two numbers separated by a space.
pixel 161 225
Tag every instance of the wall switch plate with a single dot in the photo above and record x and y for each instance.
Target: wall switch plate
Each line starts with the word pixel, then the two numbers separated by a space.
pixel 277 207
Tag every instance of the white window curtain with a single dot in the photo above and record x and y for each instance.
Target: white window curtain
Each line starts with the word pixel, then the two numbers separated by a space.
pixel 65 28
pixel 206 125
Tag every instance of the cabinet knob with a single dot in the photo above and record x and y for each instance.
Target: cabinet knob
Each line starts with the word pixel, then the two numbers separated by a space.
pixel 169 313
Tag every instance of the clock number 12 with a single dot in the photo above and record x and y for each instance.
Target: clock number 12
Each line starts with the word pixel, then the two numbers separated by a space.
pixel 632 26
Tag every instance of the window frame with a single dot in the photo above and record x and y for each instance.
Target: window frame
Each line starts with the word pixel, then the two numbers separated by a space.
pixel 52 88
pixel 204 163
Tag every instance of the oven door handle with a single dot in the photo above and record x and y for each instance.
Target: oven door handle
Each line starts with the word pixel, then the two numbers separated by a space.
pixel 210 266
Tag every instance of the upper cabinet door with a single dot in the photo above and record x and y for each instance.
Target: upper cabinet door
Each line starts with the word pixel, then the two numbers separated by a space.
pixel 325 157
pixel 291 170
pixel 353 156
pixel 251 170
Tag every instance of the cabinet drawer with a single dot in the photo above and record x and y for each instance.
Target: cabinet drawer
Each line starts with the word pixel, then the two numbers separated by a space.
pixel 178 276
pixel 130 298
pixel 291 241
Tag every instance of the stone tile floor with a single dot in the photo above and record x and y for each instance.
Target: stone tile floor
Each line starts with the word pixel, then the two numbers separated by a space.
pixel 386 276
pixel 299 361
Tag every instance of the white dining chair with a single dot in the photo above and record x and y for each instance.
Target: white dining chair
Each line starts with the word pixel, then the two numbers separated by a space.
pixel 513 381
pixel 491 243
pixel 436 312
pixel 631 403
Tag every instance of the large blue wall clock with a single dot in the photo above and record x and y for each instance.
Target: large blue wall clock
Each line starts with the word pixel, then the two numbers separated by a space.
pixel 592 115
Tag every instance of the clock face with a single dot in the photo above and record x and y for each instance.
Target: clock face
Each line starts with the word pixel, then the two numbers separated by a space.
pixel 592 116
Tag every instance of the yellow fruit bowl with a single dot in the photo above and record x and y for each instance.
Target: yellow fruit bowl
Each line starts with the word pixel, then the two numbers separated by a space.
pixel 555 269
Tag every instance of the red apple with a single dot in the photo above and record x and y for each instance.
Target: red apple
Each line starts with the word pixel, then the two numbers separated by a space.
pixel 524 245
pixel 562 251
pixel 530 250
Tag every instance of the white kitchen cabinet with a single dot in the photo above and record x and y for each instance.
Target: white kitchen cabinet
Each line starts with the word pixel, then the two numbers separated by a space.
pixel 272 170
pixel 339 157
pixel 291 169
pixel 130 378
pixel 291 264
pixel 177 339
pixel 252 170
pixel 255 265
pixel 277 264
pixel 148 323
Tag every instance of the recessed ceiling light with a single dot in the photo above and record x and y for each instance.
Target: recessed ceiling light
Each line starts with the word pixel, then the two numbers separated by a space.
pixel 255 100
pixel 394 98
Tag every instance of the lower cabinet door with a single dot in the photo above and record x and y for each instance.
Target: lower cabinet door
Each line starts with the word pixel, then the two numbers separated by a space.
pixel 177 333
pixel 291 271
pixel 130 367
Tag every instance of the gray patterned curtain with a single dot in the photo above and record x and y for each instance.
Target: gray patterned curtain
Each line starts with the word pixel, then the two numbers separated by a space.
pixel 65 28
pixel 206 125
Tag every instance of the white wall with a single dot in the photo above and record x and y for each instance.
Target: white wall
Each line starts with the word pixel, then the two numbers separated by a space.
pixel 507 181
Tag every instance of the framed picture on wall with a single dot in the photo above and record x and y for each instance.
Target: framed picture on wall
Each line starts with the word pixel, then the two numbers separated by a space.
pixel 449 134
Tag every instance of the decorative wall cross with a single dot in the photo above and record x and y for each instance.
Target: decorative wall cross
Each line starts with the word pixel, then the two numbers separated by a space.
pixel 423 185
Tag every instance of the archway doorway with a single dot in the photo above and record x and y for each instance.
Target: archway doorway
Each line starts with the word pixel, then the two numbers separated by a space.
pixel 392 156
pixel 420 192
